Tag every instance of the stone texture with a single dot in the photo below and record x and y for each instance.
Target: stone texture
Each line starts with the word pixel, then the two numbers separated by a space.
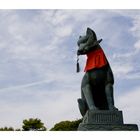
pixel 105 120
pixel 103 117
pixel 99 127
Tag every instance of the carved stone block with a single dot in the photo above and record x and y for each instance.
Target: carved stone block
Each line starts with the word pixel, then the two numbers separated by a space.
pixel 105 120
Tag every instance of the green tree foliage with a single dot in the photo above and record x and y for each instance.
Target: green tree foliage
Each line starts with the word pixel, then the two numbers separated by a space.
pixel 33 125
pixel 7 129
pixel 18 129
pixel 66 125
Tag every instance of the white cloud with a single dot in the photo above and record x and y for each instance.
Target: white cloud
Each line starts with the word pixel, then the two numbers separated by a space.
pixel 64 31
pixel 48 105
pixel 129 103
pixel 137 45
pixel 25 86
pixel 122 69
pixel 133 76
pixel 136 31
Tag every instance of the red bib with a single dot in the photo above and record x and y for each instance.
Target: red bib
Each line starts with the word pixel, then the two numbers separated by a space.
pixel 95 59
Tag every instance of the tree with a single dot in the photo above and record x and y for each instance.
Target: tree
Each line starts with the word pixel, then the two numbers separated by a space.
pixel 18 129
pixel 7 129
pixel 33 125
pixel 66 125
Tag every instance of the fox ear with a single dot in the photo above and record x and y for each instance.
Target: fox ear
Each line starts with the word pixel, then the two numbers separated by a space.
pixel 88 28
pixel 89 31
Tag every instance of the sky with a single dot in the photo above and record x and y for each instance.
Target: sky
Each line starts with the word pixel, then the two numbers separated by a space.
pixel 38 76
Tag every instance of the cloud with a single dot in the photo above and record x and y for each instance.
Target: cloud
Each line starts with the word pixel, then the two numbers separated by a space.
pixel 24 86
pixel 49 105
pixel 134 76
pixel 129 103
pixel 64 31
pixel 122 68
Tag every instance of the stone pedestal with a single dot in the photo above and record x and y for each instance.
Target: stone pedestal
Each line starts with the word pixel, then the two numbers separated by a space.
pixel 105 120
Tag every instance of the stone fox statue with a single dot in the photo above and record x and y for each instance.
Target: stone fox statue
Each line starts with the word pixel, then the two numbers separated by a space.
pixel 97 83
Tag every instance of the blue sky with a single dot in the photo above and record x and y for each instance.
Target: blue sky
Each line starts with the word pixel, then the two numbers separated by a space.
pixel 38 56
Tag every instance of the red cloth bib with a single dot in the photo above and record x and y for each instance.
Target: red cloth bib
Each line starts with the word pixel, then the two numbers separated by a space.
pixel 95 59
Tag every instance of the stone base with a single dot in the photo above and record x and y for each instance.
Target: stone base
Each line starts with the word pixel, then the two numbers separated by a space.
pixel 100 127
pixel 105 120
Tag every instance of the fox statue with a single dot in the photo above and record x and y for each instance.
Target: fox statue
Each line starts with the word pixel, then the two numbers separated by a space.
pixel 97 83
